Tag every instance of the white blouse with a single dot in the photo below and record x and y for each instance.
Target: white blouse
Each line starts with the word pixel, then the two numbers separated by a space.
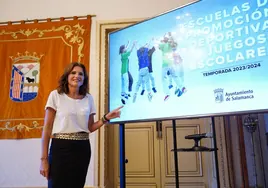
pixel 71 114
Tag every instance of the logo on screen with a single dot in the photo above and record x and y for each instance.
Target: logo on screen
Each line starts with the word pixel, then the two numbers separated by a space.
pixel 218 94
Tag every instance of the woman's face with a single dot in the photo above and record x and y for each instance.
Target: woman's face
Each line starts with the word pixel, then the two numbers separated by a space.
pixel 76 77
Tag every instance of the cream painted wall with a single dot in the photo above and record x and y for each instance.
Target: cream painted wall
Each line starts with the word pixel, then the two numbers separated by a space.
pixel 19 159
pixel 105 10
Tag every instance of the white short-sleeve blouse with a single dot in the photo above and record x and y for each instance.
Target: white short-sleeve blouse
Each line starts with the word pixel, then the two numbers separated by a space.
pixel 71 114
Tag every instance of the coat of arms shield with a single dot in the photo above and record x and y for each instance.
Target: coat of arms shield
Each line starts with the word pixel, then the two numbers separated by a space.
pixel 25 78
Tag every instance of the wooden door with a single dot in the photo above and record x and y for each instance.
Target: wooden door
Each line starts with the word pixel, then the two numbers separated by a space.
pixel 142 154
pixel 194 167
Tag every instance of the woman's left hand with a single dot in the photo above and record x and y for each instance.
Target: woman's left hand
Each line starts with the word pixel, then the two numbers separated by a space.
pixel 114 113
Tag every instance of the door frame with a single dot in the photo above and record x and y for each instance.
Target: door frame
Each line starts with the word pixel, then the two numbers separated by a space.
pixel 101 53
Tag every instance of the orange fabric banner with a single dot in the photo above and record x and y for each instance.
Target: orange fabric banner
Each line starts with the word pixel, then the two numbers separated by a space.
pixel 33 56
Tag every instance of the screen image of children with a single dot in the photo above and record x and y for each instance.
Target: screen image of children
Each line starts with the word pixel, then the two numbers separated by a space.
pixel 145 75
pixel 150 67
pixel 171 72
pixel 172 67
pixel 126 77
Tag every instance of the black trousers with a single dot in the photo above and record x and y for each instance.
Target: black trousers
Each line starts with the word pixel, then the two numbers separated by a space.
pixel 69 161
pixel 130 81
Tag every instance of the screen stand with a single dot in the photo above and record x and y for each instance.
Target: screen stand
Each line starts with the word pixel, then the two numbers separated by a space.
pixel 175 149
pixel 175 153
pixel 122 155
pixel 195 148
pixel 215 151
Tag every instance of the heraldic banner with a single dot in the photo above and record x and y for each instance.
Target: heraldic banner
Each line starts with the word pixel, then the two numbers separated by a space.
pixel 33 56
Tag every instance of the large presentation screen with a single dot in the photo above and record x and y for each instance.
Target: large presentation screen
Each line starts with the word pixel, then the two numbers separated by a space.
pixel 204 59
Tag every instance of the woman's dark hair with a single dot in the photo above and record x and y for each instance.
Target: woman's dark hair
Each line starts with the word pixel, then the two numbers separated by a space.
pixel 63 81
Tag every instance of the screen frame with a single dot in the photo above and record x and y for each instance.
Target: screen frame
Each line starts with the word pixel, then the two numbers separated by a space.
pixel 192 116
pixel 173 117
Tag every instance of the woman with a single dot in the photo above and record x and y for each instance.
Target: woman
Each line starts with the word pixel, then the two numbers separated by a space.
pixel 69 118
